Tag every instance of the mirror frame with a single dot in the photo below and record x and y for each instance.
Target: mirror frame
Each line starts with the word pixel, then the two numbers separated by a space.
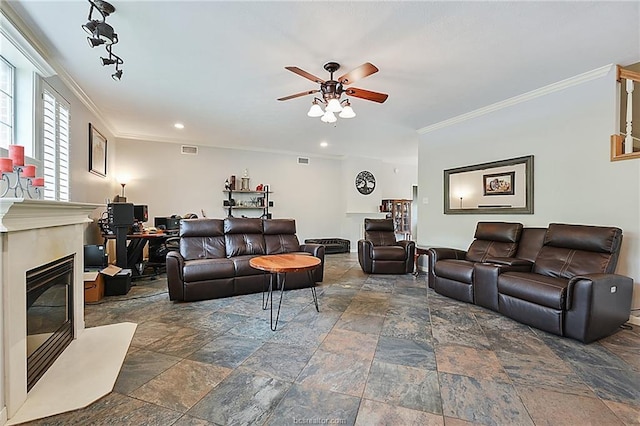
pixel 528 176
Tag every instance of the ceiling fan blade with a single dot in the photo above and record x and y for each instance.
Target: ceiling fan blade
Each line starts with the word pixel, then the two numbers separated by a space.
pixel 297 95
pixel 362 71
pixel 366 94
pixel 305 74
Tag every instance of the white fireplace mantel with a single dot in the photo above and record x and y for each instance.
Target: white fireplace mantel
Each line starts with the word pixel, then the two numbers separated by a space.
pixel 33 233
pixel 19 214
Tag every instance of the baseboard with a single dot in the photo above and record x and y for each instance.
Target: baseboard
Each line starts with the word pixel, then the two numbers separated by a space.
pixel 634 320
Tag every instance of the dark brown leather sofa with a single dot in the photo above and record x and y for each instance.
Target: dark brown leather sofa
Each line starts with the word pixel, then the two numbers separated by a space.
pixel 561 279
pixel 380 253
pixel 214 255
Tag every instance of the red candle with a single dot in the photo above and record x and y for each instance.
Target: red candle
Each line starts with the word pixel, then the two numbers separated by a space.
pixel 29 171
pixel 6 165
pixel 39 181
pixel 16 153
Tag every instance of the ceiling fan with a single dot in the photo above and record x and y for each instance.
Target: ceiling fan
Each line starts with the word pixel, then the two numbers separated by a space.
pixel 332 90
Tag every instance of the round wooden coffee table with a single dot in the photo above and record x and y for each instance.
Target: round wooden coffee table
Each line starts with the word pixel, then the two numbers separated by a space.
pixel 279 265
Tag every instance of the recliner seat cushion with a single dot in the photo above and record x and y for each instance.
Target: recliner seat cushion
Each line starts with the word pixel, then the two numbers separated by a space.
pixel 207 269
pixel 456 270
pixel 535 288
pixel 388 253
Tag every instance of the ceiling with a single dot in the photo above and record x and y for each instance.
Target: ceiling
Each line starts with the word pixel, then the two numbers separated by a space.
pixel 218 67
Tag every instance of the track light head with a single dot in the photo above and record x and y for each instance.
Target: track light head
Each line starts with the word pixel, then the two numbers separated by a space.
pixel 90 27
pixel 117 75
pixel 108 61
pixel 93 42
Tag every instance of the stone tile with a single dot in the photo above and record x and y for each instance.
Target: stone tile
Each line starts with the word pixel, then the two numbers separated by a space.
pixel 481 401
pixel 182 342
pixel 335 302
pixel 182 385
pixel 350 343
pixel 408 387
pixel 579 353
pixel 522 341
pixel 411 353
pixel 416 294
pixel 141 366
pixel 452 421
pixel 335 372
pixel 553 408
pixel 453 326
pixel 403 327
pixel 369 324
pixel 369 303
pixel 378 413
pixel 612 384
pixel 304 405
pixel 186 420
pixel 218 322
pixel 481 364
pixel 226 351
pixel 550 373
pixel 243 398
pixel 629 414
pixel 255 328
pixel 293 333
pixel 280 361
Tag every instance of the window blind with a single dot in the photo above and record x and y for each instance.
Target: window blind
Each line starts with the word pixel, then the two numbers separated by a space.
pixel 55 142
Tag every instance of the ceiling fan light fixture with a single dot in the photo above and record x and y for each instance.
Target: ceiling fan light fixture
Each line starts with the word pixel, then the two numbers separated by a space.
pixel 334 105
pixel 329 117
pixel 315 111
pixel 347 112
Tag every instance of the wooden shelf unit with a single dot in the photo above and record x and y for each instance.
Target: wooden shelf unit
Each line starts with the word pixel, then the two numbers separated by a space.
pixel 233 204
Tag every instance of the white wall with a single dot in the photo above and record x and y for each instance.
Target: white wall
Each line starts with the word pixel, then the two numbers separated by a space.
pixel 568 133
pixel 318 195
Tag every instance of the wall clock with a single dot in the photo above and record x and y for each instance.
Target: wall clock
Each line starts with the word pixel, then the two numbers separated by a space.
pixel 365 182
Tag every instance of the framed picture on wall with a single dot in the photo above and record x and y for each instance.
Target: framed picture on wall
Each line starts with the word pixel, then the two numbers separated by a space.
pixel 97 152
pixel 499 183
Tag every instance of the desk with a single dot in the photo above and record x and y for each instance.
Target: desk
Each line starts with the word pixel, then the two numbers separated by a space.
pixel 134 245
pixel 278 265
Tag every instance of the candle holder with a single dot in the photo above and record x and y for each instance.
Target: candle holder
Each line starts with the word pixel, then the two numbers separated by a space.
pixel 22 186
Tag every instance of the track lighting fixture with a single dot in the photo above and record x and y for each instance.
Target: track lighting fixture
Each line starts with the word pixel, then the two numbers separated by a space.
pixel 102 33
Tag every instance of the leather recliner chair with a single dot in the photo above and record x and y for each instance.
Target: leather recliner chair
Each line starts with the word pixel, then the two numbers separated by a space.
pixel 451 271
pixel 380 253
pixel 572 289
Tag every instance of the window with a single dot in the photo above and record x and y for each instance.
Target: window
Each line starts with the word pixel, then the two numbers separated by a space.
pixel 6 102
pixel 55 143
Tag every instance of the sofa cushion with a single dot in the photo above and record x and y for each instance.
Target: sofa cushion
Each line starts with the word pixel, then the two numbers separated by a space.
pixel 279 226
pixel 388 253
pixel 504 232
pixel 600 239
pixel 241 266
pixel 207 269
pixel 481 250
pixel 535 288
pixel 202 239
pixel 456 270
pixel 380 232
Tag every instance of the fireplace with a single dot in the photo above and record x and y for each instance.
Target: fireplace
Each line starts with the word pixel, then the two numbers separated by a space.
pixel 49 315
pixel 34 236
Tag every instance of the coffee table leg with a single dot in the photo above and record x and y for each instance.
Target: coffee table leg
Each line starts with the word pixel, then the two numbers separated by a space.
pixel 313 290
pixel 284 279
pixel 265 289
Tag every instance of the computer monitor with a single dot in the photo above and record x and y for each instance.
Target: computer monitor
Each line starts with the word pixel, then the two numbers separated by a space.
pixel 141 213
pixel 95 257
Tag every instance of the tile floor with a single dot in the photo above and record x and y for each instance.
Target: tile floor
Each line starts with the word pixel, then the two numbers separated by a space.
pixel 382 350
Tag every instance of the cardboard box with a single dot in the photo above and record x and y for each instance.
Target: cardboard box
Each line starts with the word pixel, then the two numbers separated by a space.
pixel 93 287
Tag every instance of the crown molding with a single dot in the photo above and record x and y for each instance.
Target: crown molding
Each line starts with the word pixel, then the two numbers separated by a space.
pixel 37 51
pixel 543 91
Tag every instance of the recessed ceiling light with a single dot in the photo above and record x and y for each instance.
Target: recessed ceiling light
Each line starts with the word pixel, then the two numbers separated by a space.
pixel 179 126
pixel 324 144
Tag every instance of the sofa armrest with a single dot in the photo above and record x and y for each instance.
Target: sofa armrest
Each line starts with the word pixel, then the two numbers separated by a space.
pixel 597 304
pixel 175 277
pixel 511 261
pixel 485 281
pixel 435 254
pixel 316 250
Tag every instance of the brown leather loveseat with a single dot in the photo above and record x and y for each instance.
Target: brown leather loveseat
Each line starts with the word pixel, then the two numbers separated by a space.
pixel 560 279
pixel 214 255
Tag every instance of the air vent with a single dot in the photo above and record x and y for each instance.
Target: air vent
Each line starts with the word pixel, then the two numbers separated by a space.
pixel 303 160
pixel 187 149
